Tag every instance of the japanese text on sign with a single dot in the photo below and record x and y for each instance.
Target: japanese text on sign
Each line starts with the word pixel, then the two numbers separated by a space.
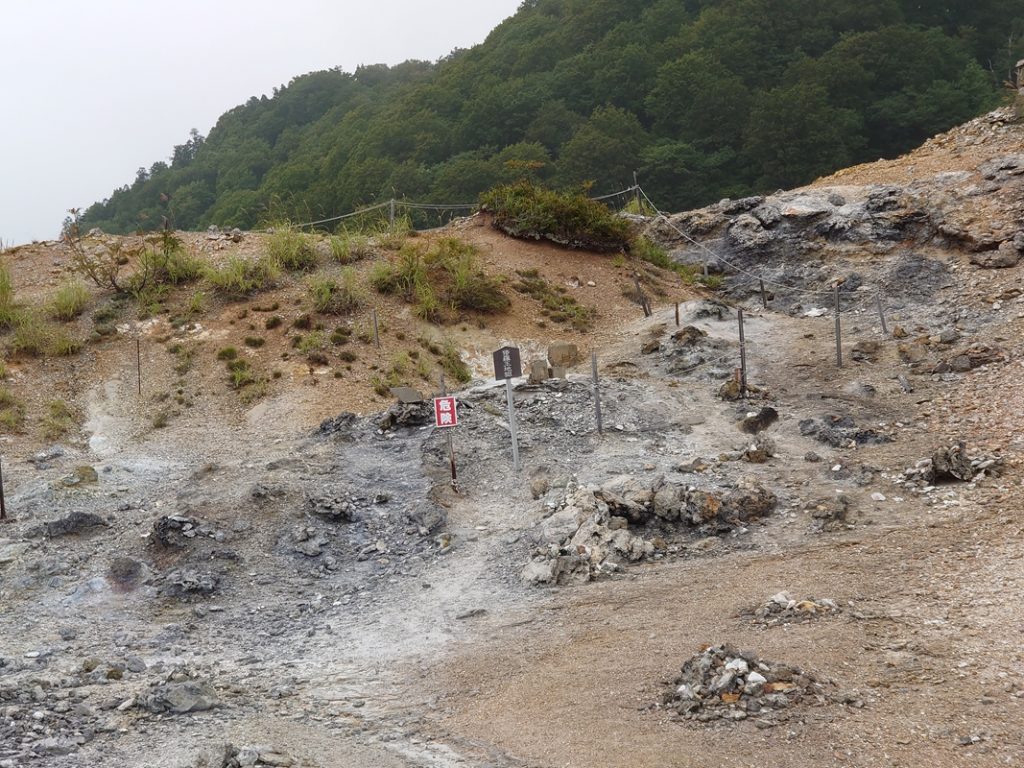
pixel 446 412
pixel 507 364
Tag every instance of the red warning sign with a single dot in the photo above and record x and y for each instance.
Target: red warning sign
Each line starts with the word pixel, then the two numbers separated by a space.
pixel 446 412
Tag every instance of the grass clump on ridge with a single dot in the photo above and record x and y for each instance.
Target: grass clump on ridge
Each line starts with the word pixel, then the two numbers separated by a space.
pixel 293 250
pixel 337 297
pixel 239 277
pixel 571 219
pixel 70 301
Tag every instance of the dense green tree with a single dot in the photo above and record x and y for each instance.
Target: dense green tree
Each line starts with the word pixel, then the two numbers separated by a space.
pixel 705 98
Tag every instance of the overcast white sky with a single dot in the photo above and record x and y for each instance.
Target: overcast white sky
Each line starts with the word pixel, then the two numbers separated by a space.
pixel 93 90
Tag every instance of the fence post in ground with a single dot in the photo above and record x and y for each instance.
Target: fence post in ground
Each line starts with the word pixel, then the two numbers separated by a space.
pixel 597 392
pixel 3 504
pixel 881 313
pixel 764 295
pixel 839 331
pixel 743 357
pixel 376 329
pixel 391 212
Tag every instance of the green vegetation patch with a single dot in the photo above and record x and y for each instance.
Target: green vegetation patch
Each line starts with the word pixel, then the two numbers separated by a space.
pixel 240 277
pixel 70 301
pixel 556 303
pixel 570 219
pixel 440 280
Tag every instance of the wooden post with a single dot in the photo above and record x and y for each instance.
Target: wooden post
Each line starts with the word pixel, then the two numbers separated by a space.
pixel 644 305
pixel 764 295
pixel 512 424
pixel 743 357
pixel 881 313
pixel 376 329
pixel 597 391
pixel 138 361
pixel 839 331
pixel 391 213
pixel 677 314
pixel 451 443
pixel 3 504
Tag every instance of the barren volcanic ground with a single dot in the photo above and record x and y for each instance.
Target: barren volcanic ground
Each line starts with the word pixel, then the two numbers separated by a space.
pixel 825 572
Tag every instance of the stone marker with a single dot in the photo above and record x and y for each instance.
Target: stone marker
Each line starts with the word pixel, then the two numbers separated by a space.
pixel 407 395
pixel 563 354
pixel 538 371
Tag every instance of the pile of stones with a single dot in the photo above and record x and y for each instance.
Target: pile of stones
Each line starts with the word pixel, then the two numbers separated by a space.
pixel 782 608
pixel 594 531
pixel 722 683
pixel 841 432
pixel 950 464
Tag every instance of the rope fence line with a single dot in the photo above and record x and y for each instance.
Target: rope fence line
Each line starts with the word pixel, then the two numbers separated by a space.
pixel 394 204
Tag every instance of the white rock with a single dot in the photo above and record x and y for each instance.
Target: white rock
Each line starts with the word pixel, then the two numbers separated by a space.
pixel 877 497
pixel 738 666
pixel 756 678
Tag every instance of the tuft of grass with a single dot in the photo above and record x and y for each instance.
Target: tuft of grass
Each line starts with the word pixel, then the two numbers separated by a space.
pixel 35 337
pixel 348 248
pixel 196 304
pixel 453 364
pixel 240 373
pixel 165 261
pixel 239 277
pixel 391 237
pixel 314 341
pixel 341 335
pixel 571 219
pixel 714 282
pixel 255 342
pixel 228 354
pixel 70 301
pixel 12 411
pixel 293 250
pixel 337 297
pixel 275 321
pixel 185 358
pixel 640 207
pixel 9 311
pixel 348 356
pixel 57 420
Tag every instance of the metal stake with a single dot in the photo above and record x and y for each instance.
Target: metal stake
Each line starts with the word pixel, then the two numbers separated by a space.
pixel 376 330
pixel 839 331
pixel 3 504
pixel 597 391
pixel 512 424
pixel 764 296
pixel 138 361
pixel 881 313
pixel 391 213
pixel 743 357
pixel 677 314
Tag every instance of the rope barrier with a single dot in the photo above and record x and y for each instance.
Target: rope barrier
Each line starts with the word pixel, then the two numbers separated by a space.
pixel 436 207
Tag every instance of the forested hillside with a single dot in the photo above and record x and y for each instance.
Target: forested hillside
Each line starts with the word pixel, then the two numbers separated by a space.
pixel 704 98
